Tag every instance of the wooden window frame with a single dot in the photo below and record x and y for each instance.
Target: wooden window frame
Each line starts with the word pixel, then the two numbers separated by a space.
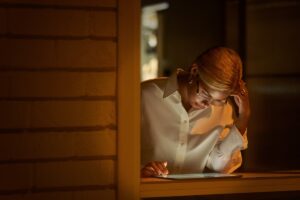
pixel 128 95
pixel 129 185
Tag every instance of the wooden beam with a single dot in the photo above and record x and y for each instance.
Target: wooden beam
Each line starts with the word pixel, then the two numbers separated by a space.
pixel 128 105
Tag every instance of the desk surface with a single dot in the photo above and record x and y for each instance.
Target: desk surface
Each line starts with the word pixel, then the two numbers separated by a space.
pixel 248 183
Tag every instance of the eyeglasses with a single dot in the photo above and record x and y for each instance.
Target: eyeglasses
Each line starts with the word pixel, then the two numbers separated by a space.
pixel 206 96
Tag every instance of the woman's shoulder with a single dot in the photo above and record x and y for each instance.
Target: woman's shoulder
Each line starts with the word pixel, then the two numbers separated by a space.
pixel 154 84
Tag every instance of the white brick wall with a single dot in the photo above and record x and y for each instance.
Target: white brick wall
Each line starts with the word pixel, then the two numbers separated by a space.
pixel 94 195
pixel 73 113
pixel 103 23
pixel 86 53
pixel 55 22
pixel 48 22
pixel 81 195
pixel 56 174
pixel 57 84
pixel 16 176
pixel 74 173
pixel 2 21
pixel 15 114
pixel 40 53
pixel 51 145
pixel 78 3
pixel 5 80
pixel 28 53
pixel 95 143
pixel 58 64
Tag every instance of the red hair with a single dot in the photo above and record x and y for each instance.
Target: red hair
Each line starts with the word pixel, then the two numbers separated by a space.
pixel 220 68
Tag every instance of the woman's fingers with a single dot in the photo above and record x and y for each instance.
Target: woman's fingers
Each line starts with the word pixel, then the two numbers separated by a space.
pixel 163 167
pixel 155 168
pixel 241 90
pixel 241 98
pixel 160 167
pixel 148 171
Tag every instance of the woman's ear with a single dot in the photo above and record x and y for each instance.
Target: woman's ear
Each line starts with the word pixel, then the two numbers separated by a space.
pixel 194 69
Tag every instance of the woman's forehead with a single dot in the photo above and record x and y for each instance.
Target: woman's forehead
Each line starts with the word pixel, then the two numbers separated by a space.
pixel 215 94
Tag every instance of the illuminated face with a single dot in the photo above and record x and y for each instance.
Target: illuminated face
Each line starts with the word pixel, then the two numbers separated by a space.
pixel 201 97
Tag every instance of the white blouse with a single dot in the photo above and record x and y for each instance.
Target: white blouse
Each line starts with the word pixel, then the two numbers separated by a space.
pixel 188 141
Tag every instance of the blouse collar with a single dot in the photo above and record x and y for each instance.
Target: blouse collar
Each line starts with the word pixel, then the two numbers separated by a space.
pixel 172 84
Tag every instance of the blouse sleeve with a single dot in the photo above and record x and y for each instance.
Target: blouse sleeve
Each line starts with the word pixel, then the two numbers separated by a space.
pixel 226 155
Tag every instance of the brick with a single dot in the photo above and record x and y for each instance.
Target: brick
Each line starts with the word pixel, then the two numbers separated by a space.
pixel 95 195
pixel 3 24
pixel 61 53
pixel 57 84
pixel 7 146
pixel 49 196
pixel 40 196
pixel 103 23
pixel 23 146
pixel 14 114
pixel 48 84
pixel 57 145
pixel 11 197
pixel 51 22
pixel 86 53
pixel 99 84
pixel 74 173
pixel 95 143
pixel 5 84
pixel 16 176
pixel 48 22
pixel 73 113
pixel 36 146
pixel 79 3
pixel 17 114
pixel 16 146
pixel 107 194
pixel 27 53
pixel 53 145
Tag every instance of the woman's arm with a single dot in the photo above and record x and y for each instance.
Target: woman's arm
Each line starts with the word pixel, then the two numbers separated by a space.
pixel 225 156
pixel 241 98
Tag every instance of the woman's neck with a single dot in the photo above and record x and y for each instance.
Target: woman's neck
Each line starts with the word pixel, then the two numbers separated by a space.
pixel 182 80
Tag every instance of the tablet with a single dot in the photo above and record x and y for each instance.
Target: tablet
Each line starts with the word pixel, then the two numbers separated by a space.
pixel 199 176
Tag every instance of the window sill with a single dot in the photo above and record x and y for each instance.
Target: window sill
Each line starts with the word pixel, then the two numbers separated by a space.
pixel 248 183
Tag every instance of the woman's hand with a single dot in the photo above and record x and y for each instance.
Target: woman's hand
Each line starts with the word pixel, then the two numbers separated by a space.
pixel 241 98
pixel 155 168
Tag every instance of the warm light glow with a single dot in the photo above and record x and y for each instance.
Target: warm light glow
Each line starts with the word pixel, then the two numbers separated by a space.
pixel 149 40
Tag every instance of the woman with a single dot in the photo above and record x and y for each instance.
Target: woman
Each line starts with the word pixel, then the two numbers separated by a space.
pixel 189 122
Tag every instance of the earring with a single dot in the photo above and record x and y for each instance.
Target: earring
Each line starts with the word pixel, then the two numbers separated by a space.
pixel 191 82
